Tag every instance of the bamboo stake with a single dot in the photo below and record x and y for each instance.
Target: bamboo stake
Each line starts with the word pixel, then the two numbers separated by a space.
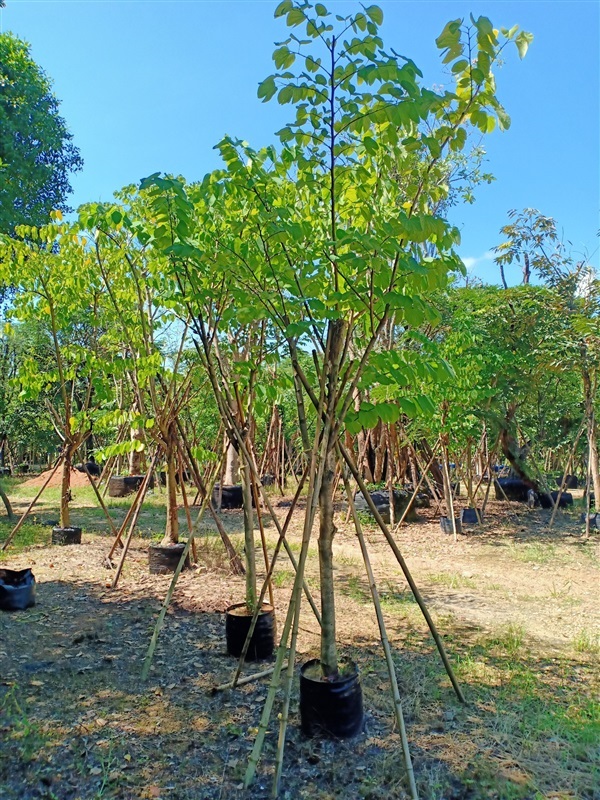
pixel 314 486
pixel 132 509
pixel 163 611
pixel 100 500
pixel 268 581
pixel 256 676
pixel 588 483
pixel 188 516
pixel 385 643
pixel 14 531
pixel 448 491
pixel 403 565
pixel 134 518
pixel 416 489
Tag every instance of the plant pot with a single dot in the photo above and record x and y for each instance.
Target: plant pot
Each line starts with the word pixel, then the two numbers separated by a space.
pixel 68 535
pixel 232 497
pixel 237 625
pixel 446 525
pixel 123 485
pixel 17 589
pixel 469 515
pixel 594 519
pixel 330 707
pixel 163 560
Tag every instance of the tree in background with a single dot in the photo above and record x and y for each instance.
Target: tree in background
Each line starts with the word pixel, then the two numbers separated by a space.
pixel 36 150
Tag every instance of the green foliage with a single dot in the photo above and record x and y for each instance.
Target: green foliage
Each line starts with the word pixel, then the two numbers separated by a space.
pixel 36 150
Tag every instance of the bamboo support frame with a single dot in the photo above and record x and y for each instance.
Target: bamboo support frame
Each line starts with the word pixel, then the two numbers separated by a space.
pixel 27 511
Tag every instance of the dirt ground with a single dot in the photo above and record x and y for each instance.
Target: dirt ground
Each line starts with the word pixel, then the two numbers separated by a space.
pixel 516 604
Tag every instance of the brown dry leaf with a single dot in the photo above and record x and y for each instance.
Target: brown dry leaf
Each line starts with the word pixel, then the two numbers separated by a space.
pixel 154 791
pixel 36 683
pixel 96 771
pixel 101 722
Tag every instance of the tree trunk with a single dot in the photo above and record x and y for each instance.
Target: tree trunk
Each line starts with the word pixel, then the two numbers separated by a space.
pixel 249 538
pixel 515 454
pixel 172 529
pixel 232 467
pixel 326 533
pixel 7 504
pixel 65 486
pixel 592 433
pixel 137 459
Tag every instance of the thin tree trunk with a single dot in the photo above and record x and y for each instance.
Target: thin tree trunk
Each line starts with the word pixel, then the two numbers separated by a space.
pixel 326 533
pixel 249 538
pixel 172 529
pixel 65 486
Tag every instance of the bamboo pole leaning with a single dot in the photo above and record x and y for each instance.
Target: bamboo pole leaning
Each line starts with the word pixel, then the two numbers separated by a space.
pixel 163 611
pixel 384 641
pixel 27 511
pixel 407 574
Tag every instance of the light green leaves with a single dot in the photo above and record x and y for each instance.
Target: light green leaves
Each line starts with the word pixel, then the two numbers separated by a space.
pixel 523 41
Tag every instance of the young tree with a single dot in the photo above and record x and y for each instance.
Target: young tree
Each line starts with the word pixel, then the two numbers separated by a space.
pixel 50 269
pixel 37 155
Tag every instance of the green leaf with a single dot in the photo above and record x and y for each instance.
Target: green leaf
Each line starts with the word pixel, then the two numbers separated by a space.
pixel 523 41
pixel 267 88
pixel 375 14
pixel 320 10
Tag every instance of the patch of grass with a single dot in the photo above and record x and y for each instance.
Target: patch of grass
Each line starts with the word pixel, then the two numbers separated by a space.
pixel 28 535
pixel 30 740
pixel 586 642
pixel 510 639
pixel 283 577
pixel 357 590
pixel 452 580
pixel 534 553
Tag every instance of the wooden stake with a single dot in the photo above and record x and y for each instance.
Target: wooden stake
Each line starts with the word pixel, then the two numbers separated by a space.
pixel 385 643
pixel 403 565
pixel 169 595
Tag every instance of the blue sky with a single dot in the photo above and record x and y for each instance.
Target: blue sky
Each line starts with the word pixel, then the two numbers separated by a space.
pixel 153 85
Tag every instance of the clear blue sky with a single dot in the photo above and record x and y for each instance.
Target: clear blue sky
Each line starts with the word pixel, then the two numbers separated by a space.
pixel 152 86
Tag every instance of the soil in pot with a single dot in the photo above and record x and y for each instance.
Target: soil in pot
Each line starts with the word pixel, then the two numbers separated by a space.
pixel 237 625
pixel 68 535
pixel 162 560
pixel 17 589
pixel 331 707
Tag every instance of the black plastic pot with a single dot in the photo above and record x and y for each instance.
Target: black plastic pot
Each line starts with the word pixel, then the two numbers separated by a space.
pixel 68 535
pixel 17 589
pixel 163 560
pixel 232 497
pixel 123 485
pixel 446 525
pixel 237 625
pixel 594 520
pixel 330 707
pixel 469 516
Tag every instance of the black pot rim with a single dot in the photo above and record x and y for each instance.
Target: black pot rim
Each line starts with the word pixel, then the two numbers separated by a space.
pixel 167 547
pixel 266 608
pixel 66 528
pixel 337 681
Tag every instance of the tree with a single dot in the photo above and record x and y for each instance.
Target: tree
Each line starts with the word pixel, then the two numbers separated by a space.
pixel 37 155
pixel 50 270
pixel 533 243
